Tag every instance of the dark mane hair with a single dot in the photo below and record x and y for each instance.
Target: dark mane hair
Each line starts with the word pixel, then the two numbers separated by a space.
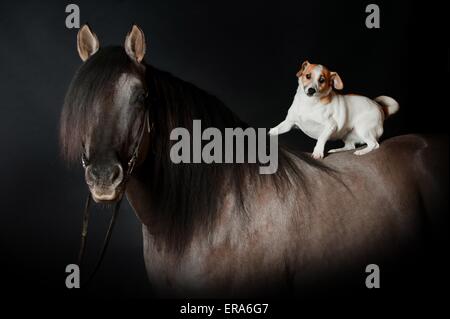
pixel 97 74
pixel 185 197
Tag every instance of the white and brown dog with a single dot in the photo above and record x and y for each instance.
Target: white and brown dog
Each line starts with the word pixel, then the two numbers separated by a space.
pixel 324 115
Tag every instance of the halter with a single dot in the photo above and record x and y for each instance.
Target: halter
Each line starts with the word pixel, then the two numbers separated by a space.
pixel 86 215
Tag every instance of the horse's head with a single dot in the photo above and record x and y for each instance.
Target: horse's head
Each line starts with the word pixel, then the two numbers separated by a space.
pixel 105 111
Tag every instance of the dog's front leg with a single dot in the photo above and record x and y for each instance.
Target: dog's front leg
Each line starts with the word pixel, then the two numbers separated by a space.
pixel 281 128
pixel 330 128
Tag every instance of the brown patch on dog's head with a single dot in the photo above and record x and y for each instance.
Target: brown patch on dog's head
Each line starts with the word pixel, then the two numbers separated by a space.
pixel 305 73
pixel 303 67
pixel 318 81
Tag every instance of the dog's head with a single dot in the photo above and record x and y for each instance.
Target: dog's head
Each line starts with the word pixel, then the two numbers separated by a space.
pixel 316 80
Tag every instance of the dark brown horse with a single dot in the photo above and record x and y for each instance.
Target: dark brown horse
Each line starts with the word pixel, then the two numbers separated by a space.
pixel 224 229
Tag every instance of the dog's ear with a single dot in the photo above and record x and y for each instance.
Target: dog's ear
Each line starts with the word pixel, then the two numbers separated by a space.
pixel 87 42
pixel 336 81
pixel 302 68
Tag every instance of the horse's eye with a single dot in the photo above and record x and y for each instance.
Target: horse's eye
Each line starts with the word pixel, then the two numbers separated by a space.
pixel 141 97
pixel 308 76
pixel 321 79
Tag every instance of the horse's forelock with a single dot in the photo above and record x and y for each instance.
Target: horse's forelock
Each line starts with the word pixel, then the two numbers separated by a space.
pixel 92 85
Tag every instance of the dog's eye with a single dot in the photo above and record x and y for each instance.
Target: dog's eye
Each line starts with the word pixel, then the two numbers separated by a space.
pixel 321 79
pixel 308 76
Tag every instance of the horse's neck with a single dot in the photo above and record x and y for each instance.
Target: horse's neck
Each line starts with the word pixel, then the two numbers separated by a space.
pixel 231 223
pixel 139 196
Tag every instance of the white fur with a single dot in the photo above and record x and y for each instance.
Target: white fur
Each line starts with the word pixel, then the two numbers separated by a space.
pixel 352 118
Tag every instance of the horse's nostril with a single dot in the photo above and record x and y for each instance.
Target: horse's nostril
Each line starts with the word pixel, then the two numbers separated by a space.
pixel 116 174
pixel 90 177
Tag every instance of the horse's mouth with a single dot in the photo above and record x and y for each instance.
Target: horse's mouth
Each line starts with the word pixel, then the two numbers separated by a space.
pixel 106 194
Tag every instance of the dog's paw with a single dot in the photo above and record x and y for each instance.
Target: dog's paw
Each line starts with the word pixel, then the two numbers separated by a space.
pixel 361 152
pixel 317 155
pixel 273 131
pixel 317 152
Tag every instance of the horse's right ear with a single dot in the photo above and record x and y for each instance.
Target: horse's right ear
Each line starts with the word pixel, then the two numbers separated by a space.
pixel 87 42
pixel 135 44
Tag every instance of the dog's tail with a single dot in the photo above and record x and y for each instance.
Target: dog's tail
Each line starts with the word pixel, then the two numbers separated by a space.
pixel 387 104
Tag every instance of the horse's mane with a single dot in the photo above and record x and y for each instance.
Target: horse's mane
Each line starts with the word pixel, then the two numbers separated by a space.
pixel 185 197
pixel 189 196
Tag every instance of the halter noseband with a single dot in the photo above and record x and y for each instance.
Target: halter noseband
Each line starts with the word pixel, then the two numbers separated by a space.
pixel 131 164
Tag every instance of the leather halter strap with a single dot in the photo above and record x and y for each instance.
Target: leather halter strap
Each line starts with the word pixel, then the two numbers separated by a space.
pixel 86 215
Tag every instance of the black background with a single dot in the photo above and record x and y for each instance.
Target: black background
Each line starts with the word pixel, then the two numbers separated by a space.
pixel 246 53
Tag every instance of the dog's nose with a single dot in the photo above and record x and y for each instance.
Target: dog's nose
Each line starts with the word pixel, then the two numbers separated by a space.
pixel 311 91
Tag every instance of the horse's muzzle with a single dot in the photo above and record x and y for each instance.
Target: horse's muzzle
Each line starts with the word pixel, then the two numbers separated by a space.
pixel 102 195
pixel 105 182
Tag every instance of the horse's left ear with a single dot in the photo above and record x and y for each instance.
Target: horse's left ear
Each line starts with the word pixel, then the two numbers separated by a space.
pixel 87 42
pixel 135 44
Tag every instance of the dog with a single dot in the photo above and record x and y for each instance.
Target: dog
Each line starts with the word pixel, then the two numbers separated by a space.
pixel 324 115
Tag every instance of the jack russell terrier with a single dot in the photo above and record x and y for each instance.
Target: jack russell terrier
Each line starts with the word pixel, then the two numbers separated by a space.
pixel 324 115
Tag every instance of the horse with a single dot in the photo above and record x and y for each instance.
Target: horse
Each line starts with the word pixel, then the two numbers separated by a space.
pixel 224 229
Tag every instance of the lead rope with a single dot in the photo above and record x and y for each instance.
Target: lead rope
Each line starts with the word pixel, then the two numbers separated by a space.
pixel 106 240
pixel 86 213
pixel 84 230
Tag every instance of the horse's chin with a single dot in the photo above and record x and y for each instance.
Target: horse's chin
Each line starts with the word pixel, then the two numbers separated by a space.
pixel 106 196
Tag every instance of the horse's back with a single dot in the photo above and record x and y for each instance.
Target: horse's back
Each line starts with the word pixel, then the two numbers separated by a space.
pixel 434 148
pixel 413 169
pixel 425 157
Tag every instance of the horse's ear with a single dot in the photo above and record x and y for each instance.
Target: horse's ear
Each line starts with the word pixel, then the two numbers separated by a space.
pixel 135 44
pixel 87 42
